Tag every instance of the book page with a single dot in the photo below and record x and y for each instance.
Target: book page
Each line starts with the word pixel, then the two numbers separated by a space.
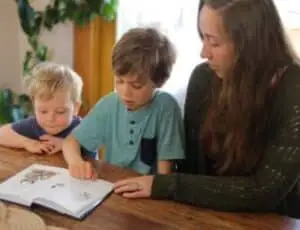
pixel 27 184
pixel 73 194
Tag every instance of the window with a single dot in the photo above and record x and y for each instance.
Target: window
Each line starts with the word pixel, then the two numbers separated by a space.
pixel 289 11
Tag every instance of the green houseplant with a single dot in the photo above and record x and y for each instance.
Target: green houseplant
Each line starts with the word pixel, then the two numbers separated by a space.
pixel 14 107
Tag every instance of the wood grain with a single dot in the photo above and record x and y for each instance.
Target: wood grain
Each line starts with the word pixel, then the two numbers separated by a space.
pixel 119 213
pixel 92 59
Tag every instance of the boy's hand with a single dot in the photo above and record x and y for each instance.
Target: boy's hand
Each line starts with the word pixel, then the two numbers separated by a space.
pixel 55 142
pixel 35 146
pixel 82 170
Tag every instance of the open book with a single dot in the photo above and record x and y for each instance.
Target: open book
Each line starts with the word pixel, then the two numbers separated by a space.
pixel 54 188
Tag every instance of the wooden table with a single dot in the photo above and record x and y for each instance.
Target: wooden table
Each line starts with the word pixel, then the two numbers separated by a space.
pixel 119 213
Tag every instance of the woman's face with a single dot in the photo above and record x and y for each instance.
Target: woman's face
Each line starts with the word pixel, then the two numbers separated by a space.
pixel 217 48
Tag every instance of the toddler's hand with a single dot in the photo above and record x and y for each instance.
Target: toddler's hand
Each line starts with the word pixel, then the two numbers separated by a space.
pixel 55 142
pixel 39 147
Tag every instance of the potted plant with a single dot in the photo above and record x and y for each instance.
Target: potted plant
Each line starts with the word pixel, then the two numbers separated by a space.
pixel 14 107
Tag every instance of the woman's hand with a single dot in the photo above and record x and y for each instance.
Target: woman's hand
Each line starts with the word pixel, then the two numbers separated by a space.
pixel 137 187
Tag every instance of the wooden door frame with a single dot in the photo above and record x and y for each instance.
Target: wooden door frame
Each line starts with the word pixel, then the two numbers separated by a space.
pixel 92 59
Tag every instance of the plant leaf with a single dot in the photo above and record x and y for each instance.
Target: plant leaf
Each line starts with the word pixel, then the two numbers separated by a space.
pixel 4 109
pixel 27 16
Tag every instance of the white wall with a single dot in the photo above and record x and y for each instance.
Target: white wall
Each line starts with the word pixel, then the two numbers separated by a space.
pixel 13 44
pixel 10 68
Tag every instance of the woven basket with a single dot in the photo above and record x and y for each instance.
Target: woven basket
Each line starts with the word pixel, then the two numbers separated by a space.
pixel 12 218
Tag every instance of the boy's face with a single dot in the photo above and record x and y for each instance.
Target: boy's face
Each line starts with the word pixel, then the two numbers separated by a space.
pixel 135 92
pixel 55 114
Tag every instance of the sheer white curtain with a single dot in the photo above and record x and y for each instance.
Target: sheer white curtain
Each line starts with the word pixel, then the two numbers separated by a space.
pixel 177 19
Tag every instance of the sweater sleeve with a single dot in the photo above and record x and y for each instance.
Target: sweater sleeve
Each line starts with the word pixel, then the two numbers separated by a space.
pixel 274 178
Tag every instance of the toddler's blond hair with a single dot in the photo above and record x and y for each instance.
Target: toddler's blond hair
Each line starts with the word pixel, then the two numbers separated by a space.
pixel 47 78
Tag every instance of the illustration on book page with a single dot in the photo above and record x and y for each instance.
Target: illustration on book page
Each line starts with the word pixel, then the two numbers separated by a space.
pixel 37 175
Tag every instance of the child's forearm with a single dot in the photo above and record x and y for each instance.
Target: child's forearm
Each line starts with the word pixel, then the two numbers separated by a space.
pixel 164 167
pixel 71 150
pixel 9 138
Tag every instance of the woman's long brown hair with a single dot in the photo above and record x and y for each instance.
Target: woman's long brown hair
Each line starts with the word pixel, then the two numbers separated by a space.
pixel 238 123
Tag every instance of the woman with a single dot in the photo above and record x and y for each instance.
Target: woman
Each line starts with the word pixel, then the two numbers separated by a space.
pixel 242 117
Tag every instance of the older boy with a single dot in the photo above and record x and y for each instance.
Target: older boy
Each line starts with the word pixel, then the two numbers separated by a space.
pixel 55 91
pixel 139 126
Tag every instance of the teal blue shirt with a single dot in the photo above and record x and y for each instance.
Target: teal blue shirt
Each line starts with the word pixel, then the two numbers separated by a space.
pixel 134 139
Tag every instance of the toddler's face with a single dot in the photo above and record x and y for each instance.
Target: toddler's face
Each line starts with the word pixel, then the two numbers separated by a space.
pixel 55 114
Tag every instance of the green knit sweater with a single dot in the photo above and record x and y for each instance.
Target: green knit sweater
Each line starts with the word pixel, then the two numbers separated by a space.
pixel 274 186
